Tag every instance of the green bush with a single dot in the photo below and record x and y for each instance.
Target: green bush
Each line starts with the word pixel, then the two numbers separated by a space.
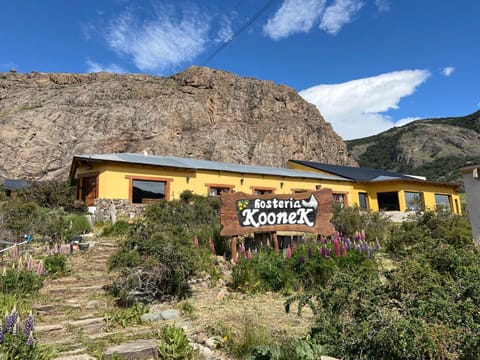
pixel 20 283
pixel 55 264
pixel 76 225
pixel 268 271
pixel 126 317
pixel 424 307
pixel 174 344
pixel 119 228
pixel 159 255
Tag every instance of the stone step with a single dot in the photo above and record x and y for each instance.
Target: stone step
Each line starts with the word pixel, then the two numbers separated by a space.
pixel 62 290
pixel 139 349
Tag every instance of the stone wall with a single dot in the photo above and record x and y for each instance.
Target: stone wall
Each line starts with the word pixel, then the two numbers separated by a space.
pixel 113 210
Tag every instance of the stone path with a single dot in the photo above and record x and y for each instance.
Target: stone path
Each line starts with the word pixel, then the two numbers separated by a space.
pixel 70 315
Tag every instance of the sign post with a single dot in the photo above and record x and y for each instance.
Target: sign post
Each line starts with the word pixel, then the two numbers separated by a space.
pixel 306 212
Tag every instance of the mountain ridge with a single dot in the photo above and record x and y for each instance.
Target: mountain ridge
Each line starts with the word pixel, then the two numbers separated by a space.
pixel 434 147
pixel 47 118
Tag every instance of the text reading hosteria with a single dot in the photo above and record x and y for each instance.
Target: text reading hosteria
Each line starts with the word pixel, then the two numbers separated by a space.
pixel 259 212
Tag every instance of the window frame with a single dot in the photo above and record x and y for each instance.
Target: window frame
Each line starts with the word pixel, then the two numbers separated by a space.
pixel 361 193
pixel 131 178
pixel 270 190
pixel 438 205
pixel 229 188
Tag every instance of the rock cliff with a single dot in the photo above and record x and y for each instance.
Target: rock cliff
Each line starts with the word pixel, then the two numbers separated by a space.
pixel 47 118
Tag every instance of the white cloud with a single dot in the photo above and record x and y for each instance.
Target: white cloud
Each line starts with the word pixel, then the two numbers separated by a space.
pixel 111 68
pixel 225 32
pixel 382 5
pixel 164 41
pixel 447 71
pixel 355 108
pixel 406 121
pixel 294 16
pixel 340 13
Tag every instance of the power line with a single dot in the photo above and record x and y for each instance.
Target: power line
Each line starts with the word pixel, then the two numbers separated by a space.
pixel 239 31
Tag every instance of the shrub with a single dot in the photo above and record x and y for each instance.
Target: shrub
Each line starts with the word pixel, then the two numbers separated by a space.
pixel 424 308
pixel 174 344
pixel 76 225
pixel 119 228
pixel 52 194
pixel 21 283
pixel 266 272
pixel 55 264
pixel 126 317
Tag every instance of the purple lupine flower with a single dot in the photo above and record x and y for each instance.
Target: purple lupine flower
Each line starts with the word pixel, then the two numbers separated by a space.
pixel 40 268
pixel 301 261
pixel 18 327
pixel 1 334
pixel 31 339
pixel 30 263
pixel 359 249
pixel 29 324
pixel 348 243
pixel 344 250
pixel 289 252
pixel 370 253
pixel 336 247
pixel 14 251
pixel 212 245
pixel 357 236
pixel 310 253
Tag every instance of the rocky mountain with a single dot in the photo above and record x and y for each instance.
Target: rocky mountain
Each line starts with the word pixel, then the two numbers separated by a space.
pixel 436 148
pixel 47 118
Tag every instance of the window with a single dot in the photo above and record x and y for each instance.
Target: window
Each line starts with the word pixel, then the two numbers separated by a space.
pixel 262 190
pixel 388 201
pixel 216 190
pixel 414 201
pixel 443 202
pixel 340 198
pixel 146 191
pixel 363 201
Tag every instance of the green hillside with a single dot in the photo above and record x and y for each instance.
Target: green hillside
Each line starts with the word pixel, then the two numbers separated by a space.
pixel 435 148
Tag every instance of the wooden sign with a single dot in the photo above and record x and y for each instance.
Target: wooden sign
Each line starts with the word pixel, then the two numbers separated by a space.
pixel 307 212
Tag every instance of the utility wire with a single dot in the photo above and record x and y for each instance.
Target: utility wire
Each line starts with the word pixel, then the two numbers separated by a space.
pixel 239 31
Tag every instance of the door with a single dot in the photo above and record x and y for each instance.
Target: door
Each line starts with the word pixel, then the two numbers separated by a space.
pixel 89 190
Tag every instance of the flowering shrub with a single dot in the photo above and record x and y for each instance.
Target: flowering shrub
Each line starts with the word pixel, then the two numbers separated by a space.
pixel 17 341
pixel 307 264
pixel 424 307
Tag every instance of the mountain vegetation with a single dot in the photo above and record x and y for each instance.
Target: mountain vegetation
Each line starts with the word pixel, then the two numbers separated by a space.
pixel 435 148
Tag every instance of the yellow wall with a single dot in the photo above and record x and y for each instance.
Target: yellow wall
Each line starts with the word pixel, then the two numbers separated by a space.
pixel 113 183
pixel 429 189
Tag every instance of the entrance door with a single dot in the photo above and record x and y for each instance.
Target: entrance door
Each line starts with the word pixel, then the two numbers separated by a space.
pixel 89 190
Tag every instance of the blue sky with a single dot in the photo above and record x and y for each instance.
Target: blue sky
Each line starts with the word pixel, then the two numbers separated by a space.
pixel 368 65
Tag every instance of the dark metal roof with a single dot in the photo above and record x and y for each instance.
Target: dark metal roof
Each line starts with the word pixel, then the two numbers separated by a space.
pixel 194 164
pixel 355 173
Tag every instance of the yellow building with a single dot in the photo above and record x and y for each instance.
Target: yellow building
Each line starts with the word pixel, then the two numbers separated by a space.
pixel 380 190
pixel 140 179
pixel 144 178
